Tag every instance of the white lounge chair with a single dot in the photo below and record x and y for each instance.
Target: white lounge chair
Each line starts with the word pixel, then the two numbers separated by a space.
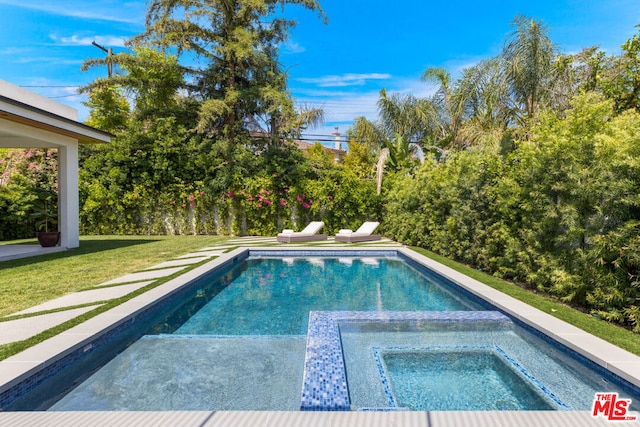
pixel 309 233
pixel 362 234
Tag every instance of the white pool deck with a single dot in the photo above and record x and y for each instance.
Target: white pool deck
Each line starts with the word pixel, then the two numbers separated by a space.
pixel 15 369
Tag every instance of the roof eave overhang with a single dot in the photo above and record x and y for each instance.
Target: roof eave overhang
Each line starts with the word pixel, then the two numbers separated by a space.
pixel 18 112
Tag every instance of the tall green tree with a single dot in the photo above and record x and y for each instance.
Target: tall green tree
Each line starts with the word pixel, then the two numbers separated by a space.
pixel 581 72
pixel 402 125
pixel 471 108
pixel 148 79
pixel 621 81
pixel 483 92
pixel 447 107
pixel 529 54
pixel 235 41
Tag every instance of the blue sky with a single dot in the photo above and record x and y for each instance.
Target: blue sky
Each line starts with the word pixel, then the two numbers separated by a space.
pixel 367 45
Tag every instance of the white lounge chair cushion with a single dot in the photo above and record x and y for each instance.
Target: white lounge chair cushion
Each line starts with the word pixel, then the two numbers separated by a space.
pixel 345 231
pixel 287 231
pixel 313 227
pixel 367 228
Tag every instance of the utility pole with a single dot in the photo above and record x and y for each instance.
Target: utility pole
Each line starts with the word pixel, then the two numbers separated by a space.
pixel 109 53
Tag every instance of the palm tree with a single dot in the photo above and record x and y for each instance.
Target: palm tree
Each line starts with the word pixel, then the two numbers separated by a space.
pixel 484 94
pixel 399 154
pixel 528 62
pixel 402 125
pixel 448 107
pixel 495 94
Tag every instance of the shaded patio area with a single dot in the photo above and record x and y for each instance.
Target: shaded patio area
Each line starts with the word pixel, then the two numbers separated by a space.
pixel 10 252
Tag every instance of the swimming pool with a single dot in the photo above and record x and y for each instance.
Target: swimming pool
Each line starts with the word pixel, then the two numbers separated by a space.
pixel 256 313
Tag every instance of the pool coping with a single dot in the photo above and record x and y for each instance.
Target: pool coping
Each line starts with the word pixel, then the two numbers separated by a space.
pixel 21 366
pixel 307 419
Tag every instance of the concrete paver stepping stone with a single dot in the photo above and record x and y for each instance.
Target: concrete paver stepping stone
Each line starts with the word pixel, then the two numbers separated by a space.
pixel 216 248
pixel 140 284
pixel 257 243
pixel 252 239
pixel 86 297
pixel 144 275
pixel 207 254
pixel 177 262
pixel 21 329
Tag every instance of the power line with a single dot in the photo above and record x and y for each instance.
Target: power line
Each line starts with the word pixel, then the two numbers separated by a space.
pixel 64 96
pixel 51 86
pixel 320 140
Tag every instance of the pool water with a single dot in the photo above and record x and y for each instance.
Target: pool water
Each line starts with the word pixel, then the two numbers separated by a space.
pixel 458 379
pixel 427 366
pixel 273 296
pixel 189 373
pixel 237 341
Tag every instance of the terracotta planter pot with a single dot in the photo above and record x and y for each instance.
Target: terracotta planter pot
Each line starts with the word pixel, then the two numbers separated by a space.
pixel 48 239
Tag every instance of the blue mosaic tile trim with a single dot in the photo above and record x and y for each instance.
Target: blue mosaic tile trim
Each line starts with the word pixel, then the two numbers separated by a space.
pixel 324 385
pixel 533 379
pixel 378 353
pixel 222 337
pixel 382 409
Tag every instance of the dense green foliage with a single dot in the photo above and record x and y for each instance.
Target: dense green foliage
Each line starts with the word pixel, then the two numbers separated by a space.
pixel 530 171
pixel 559 214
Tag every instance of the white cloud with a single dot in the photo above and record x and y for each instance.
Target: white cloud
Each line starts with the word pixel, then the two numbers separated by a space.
pixel 75 40
pixel 47 60
pixel 344 79
pixel 342 105
pixel 340 108
pixel 11 51
pixel 292 47
pixel 99 11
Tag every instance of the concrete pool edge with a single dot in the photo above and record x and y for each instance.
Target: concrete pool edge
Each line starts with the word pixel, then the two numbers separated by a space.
pixel 306 419
pixel 19 367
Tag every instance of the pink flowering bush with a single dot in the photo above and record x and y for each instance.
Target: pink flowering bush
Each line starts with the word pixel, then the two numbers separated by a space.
pixel 256 213
pixel 23 175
